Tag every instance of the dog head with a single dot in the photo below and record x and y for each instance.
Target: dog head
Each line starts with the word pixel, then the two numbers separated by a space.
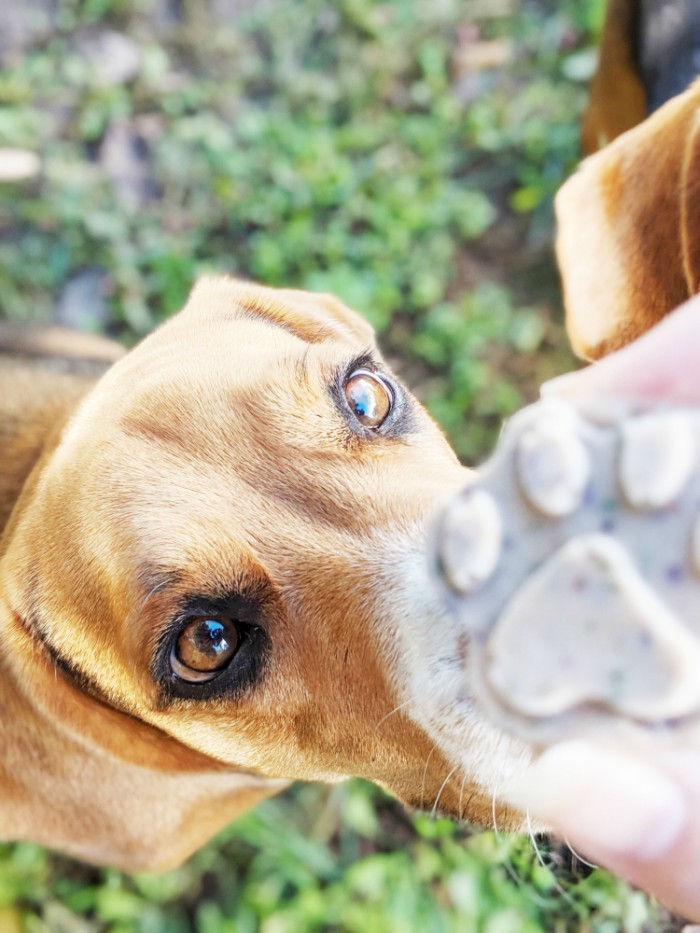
pixel 628 242
pixel 228 545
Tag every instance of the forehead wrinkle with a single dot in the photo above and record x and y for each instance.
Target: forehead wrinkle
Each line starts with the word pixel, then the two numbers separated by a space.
pixel 196 517
pixel 186 546
pixel 285 313
pixel 194 401
pixel 210 418
pixel 260 467
pixel 273 314
pixel 304 475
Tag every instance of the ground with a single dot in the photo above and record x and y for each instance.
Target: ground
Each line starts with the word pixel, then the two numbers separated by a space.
pixel 403 155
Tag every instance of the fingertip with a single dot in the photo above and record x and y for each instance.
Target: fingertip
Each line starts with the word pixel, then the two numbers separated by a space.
pixel 609 804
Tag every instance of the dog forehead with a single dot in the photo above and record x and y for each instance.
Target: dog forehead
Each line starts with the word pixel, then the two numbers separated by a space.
pixel 310 316
pixel 197 437
pixel 240 383
pixel 214 379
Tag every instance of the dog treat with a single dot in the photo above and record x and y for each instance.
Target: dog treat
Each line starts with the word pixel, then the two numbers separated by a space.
pixel 573 561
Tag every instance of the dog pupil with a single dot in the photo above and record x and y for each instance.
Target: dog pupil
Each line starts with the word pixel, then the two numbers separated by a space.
pixel 210 637
pixel 361 408
pixel 207 645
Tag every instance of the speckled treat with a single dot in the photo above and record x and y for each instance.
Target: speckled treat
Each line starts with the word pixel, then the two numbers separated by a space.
pixel 573 561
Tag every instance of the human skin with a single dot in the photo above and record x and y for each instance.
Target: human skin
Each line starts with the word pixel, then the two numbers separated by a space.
pixel 636 812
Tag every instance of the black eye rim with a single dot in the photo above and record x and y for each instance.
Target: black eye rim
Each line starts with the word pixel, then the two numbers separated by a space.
pixel 233 680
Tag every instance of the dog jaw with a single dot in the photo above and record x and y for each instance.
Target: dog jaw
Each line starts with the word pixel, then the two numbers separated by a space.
pixel 215 460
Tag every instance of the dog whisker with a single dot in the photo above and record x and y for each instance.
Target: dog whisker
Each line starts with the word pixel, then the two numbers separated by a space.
pixel 461 810
pixel 433 812
pixel 425 773
pixel 510 869
pixel 396 709
pixel 540 858
pixel 507 864
pixel 494 814
pixel 579 857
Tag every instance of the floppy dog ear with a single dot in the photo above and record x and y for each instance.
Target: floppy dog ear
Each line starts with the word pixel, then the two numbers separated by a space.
pixel 617 99
pixel 628 241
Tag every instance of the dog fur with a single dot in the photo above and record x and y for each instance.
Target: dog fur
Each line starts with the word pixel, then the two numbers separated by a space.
pixel 628 242
pixel 216 463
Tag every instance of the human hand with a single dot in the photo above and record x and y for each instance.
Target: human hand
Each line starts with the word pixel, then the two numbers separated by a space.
pixel 636 812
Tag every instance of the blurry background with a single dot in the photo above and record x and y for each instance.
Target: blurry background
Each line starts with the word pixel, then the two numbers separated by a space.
pixel 402 154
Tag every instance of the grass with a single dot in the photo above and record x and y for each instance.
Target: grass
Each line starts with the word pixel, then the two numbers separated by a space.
pixel 316 859
pixel 353 147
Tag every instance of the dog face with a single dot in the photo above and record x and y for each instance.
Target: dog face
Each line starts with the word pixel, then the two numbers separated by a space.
pixel 228 543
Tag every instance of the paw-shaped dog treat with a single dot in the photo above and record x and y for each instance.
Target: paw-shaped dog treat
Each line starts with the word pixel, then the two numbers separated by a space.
pixel 573 560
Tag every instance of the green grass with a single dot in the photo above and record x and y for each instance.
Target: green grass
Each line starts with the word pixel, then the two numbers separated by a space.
pixel 327 146
pixel 317 859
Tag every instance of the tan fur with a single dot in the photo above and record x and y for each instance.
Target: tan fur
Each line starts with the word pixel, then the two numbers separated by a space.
pixel 57 342
pixel 212 458
pixel 628 242
pixel 617 99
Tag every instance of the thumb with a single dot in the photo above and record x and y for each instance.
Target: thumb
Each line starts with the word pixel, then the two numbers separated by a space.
pixel 663 364
pixel 638 818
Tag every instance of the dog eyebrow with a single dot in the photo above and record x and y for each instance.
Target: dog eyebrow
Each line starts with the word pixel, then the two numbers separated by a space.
pixel 336 372
pixel 154 580
pixel 301 366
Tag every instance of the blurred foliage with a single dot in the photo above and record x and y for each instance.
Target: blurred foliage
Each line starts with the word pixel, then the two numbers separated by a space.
pixel 352 147
pixel 403 155
pixel 314 859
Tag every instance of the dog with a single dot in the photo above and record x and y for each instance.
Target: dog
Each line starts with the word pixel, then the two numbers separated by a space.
pixel 628 242
pixel 213 581
pixel 213 572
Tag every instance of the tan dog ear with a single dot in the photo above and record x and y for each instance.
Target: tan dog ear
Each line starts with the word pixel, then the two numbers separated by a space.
pixel 617 98
pixel 312 316
pixel 628 242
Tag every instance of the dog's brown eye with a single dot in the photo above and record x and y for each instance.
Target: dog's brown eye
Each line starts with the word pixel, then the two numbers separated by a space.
pixel 204 647
pixel 369 397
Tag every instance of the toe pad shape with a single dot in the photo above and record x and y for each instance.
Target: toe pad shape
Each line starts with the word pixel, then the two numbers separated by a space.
pixel 605 636
pixel 573 561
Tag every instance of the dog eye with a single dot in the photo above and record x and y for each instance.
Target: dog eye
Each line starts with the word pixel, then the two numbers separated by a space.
pixel 204 647
pixel 369 397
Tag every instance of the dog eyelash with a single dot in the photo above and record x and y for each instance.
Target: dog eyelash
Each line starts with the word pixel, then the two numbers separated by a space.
pixel 365 360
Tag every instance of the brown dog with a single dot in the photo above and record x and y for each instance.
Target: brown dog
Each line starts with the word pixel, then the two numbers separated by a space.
pixel 213 581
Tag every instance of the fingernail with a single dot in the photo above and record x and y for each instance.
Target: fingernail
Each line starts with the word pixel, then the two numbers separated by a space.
pixel 603 801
